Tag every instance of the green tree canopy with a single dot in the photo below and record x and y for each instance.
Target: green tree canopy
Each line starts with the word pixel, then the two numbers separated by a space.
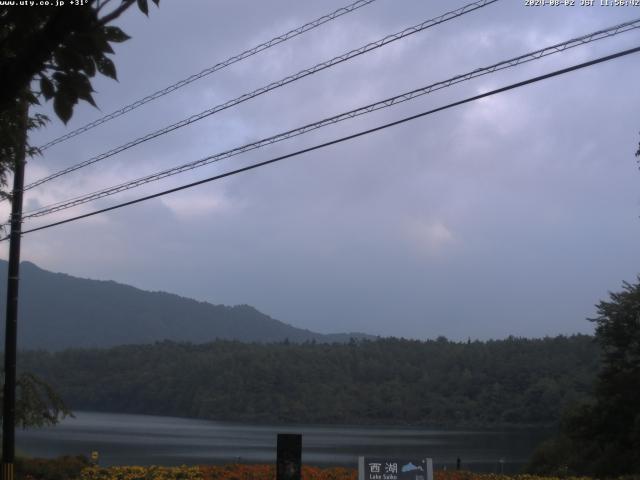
pixel 616 414
pixel 603 438
pixel 51 53
pixel 37 404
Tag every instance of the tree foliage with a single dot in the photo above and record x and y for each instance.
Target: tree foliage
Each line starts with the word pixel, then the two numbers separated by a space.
pixel 603 437
pixel 37 404
pixel 613 423
pixel 51 53
pixel 390 381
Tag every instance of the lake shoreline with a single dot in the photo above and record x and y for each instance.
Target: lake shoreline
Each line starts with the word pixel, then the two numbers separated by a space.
pixel 460 427
pixel 123 439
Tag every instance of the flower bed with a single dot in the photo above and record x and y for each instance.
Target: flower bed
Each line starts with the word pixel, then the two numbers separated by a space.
pixel 222 472
pixel 267 472
pixel 142 473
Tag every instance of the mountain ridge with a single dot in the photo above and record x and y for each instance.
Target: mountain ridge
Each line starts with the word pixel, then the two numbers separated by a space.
pixel 59 311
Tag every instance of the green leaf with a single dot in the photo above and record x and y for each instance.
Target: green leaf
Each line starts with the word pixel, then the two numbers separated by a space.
pixel 68 93
pixel 77 85
pixel 39 120
pixel 105 47
pixel 68 59
pixel 114 34
pixel 63 106
pixel 81 42
pixel 143 6
pixel 46 87
pixel 82 87
pixel 99 42
pixel 106 67
pixel 87 97
pixel 89 66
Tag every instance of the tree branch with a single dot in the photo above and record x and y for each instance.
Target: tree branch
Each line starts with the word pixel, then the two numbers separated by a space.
pixel 116 13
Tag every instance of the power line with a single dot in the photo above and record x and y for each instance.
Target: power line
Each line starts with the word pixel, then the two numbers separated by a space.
pixel 208 71
pixel 605 33
pixel 343 139
pixel 272 86
pixel 388 102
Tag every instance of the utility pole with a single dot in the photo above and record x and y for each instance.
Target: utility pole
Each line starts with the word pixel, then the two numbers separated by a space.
pixel 13 278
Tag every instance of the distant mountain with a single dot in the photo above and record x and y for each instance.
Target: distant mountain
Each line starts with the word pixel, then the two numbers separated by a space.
pixel 59 311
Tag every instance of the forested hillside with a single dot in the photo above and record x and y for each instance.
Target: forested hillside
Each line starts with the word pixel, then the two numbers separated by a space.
pixel 390 381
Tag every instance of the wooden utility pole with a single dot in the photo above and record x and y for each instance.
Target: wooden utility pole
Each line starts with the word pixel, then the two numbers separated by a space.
pixel 13 278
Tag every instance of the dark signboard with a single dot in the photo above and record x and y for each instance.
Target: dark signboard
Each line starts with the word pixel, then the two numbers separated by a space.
pixel 288 466
pixel 394 469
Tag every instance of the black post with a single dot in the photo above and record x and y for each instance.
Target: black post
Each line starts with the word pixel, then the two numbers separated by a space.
pixel 11 330
pixel 288 466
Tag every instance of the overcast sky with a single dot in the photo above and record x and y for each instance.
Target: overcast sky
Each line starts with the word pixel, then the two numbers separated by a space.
pixel 513 215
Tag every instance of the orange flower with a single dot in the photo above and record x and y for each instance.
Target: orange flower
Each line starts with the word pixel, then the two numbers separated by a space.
pixel 268 472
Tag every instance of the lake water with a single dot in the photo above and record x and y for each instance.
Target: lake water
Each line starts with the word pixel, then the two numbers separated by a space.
pixel 149 440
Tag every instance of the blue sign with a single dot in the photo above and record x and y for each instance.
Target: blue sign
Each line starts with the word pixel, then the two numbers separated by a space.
pixel 379 468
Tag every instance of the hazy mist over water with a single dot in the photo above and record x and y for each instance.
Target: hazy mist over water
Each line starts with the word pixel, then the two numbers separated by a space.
pixel 123 439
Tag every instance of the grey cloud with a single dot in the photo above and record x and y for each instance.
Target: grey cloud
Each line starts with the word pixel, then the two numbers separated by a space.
pixel 510 216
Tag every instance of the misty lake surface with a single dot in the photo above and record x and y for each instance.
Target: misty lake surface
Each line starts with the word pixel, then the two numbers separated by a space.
pixel 123 439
